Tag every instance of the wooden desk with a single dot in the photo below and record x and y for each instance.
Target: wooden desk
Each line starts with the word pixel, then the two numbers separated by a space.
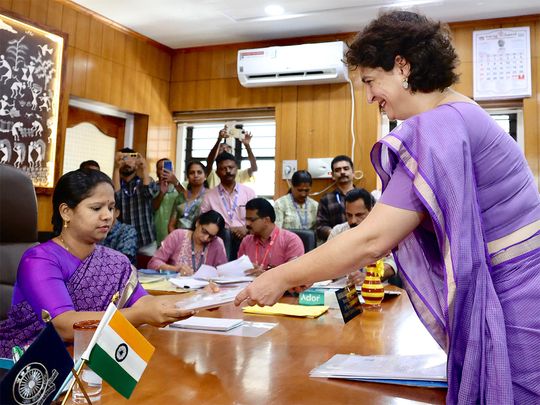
pixel 198 368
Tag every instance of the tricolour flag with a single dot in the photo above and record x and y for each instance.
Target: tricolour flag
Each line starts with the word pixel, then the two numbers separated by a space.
pixel 118 352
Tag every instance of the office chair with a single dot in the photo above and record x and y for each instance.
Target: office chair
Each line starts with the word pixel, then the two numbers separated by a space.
pixel 308 238
pixel 18 228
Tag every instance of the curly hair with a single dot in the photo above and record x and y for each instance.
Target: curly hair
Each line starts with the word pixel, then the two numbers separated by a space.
pixel 424 43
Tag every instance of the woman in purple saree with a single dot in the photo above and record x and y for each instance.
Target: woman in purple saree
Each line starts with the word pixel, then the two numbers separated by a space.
pixel 71 276
pixel 460 208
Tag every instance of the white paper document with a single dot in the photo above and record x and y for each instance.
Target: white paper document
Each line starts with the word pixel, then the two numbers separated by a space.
pixel 188 282
pixel 206 323
pixel 205 300
pixel 246 329
pixel 231 272
pixel 430 367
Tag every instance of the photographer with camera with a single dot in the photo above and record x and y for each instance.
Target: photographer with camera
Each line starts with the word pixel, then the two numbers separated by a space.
pixel 242 175
pixel 135 190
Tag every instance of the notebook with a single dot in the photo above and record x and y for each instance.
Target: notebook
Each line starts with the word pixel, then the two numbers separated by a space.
pixel 205 323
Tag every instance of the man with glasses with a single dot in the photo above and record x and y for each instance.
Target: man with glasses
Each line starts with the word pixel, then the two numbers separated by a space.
pixel 267 245
pixel 358 204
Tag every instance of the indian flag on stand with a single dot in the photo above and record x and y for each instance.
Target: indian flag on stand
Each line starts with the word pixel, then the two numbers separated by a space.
pixel 118 352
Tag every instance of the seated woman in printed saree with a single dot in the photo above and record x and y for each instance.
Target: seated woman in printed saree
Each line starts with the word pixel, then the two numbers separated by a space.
pixel 460 208
pixel 75 278
pixel 184 251
pixel 187 206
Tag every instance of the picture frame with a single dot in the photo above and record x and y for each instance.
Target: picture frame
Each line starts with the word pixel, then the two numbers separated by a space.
pixel 32 66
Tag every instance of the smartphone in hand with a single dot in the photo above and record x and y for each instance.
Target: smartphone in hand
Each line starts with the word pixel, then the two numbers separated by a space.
pixel 167 165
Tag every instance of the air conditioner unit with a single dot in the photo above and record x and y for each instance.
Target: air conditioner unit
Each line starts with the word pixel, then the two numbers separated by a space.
pixel 293 65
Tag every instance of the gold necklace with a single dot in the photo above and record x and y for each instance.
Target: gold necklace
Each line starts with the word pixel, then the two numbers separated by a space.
pixel 64 242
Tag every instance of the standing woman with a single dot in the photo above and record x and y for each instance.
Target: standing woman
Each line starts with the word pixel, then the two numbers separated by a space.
pixel 184 251
pixel 187 205
pixel 296 210
pixel 72 276
pixel 460 207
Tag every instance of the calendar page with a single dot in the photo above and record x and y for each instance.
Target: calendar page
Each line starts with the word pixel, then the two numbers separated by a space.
pixel 502 63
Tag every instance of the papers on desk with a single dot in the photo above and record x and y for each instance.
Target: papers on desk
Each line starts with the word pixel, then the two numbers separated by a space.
pixel 414 370
pixel 232 272
pixel 205 300
pixel 246 329
pixel 188 282
pixel 288 309
pixel 206 323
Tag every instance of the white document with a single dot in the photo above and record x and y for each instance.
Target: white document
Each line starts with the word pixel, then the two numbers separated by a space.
pixel 188 282
pixel 205 300
pixel 431 367
pixel 229 272
pixel 206 323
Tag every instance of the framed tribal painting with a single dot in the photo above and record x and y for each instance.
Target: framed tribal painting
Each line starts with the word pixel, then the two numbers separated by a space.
pixel 30 88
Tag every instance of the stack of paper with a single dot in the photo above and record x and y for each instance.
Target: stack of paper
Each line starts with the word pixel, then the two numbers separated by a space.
pixel 288 309
pixel 188 282
pixel 415 370
pixel 232 272
pixel 205 323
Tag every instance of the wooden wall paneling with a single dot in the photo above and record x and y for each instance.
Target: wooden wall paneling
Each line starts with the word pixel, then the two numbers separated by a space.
pixel 38 11
pixel 69 23
pixel 189 96
pixel 130 52
pixel 177 66
pixel 139 55
pixel 94 82
pixel 218 91
pixel 190 65
pixel 286 135
pixel 140 133
pixel 107 43
pixel 203 96
pixel 45 209
pixel 176 96
pixel 164 65
pixel 6 4
pixel 117 84
pixel 95 44
pixel 80 63
pixel 70 62
pixel 463 44
pixel 128 90
pixel 204 65
pixel 339 118
pixel 119 47
pixel 531 109
pixel 304 128
pixel 54 14
pixel 233 92
pixel 21 7
pixel 82 35
pixel 230 58
pixel 217 66
pixel 106 80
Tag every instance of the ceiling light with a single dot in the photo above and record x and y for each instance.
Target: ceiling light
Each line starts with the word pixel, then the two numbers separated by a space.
pixel 274 10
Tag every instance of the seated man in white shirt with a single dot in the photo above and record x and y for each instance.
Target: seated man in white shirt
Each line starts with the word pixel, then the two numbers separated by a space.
pixel 358 204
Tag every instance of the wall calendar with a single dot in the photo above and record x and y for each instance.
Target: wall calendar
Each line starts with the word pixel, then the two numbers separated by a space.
pixel 502 63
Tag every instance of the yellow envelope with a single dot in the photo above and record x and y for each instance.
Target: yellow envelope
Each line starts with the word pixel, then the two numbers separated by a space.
pixel 288 309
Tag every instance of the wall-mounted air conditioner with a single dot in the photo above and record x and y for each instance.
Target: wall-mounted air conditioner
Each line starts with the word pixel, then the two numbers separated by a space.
pixel 293 65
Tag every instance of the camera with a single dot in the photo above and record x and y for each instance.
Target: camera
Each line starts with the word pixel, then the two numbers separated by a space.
pixel 235 131
pixel 130 156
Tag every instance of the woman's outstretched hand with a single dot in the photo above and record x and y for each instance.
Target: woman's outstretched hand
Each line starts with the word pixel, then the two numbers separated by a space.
pixel 266 289
pixel 161 310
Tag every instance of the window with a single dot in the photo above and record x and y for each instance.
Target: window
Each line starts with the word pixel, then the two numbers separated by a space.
pixel 195 140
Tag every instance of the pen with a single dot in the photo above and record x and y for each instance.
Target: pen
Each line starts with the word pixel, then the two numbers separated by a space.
pixel 17 352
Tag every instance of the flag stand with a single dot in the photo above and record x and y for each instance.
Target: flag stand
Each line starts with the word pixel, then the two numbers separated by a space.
pixel 78 380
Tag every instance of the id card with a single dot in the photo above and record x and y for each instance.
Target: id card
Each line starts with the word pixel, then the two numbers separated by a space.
pixel 349 304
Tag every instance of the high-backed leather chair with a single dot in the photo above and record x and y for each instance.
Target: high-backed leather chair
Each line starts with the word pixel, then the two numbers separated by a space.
pixel 18 228
pixel 308 238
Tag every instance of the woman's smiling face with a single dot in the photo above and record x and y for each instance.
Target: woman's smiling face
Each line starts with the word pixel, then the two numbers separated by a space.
pixel 386 89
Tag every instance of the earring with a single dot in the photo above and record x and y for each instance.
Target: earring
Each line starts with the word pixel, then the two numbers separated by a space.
pixel 405 83
pixel 66 223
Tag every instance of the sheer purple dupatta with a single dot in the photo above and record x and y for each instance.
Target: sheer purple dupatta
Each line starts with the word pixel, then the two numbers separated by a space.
pixel 447 274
